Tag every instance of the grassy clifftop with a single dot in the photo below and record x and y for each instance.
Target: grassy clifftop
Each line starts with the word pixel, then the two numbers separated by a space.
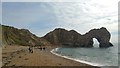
pixel 11 35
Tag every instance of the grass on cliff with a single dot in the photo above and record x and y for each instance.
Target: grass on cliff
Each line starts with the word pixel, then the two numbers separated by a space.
pixel 11 35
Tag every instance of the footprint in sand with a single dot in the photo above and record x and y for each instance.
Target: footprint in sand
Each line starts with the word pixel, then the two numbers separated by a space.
pixel 9 61
pixel 17 52
pixel 59 64
pixel 5 64
pixel 21 66
pixel 20 57
pixel 4 57
pixel 26 58
pixel 13 65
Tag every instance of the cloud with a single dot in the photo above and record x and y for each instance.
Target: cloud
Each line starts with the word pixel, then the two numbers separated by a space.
pixel 42 0
pixel 42 17
pixel 75 15
pixel 87 15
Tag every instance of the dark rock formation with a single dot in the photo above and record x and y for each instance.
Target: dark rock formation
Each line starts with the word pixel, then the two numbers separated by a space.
pixel 71 38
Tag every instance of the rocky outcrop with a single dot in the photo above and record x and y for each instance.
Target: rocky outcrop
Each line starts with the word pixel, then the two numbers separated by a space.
pixel 102 35
pixel 72 38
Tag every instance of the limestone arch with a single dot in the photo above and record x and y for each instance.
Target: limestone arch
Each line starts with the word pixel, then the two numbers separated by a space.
pixel 102 36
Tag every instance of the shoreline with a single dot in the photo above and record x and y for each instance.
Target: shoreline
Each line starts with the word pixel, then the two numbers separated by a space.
pixel 38 58
pixel 53 51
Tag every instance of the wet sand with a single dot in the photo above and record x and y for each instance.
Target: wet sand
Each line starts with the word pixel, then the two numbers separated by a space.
pixel 20 56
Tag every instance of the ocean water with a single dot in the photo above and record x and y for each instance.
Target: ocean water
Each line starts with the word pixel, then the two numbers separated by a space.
pixel 94 56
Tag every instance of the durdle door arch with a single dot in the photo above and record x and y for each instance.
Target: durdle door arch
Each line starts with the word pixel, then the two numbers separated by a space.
pixel 102 35
pixel 60 36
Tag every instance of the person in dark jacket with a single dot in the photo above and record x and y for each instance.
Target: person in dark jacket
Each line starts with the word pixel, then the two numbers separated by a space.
pixel 30 49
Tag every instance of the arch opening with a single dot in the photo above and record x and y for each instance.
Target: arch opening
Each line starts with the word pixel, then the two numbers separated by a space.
pixel 95 43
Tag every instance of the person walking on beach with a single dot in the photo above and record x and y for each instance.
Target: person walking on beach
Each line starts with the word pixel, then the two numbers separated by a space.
pixel 30 49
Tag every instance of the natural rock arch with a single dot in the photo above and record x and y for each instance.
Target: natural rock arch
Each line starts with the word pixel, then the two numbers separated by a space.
pixel 102 35
pixel 71 38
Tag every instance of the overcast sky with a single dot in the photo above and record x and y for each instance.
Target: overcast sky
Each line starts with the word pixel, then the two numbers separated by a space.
pixel 42 17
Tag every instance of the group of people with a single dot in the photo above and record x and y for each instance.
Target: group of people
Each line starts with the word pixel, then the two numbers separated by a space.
pixel 42 48
pixel 31 48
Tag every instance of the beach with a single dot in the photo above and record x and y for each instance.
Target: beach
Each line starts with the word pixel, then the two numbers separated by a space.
pixel 20 56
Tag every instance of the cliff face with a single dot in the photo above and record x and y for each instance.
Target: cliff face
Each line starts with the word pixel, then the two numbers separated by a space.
pixel 62 37
pixel 71 38
pixel 11 35
pixel 59 36
pixel 102 35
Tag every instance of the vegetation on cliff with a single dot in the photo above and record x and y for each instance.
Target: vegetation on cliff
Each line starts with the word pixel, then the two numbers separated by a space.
pixel 11 35
pixel 59 36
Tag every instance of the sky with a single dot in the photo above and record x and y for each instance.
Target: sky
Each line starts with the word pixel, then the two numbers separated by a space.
pixel 43 17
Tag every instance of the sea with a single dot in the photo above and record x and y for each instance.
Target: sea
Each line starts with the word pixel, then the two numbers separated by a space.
pixel 94 56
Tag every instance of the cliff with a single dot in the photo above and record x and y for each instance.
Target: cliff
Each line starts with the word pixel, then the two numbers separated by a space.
pixel 59 37
pixel 72 38
pixel 11 35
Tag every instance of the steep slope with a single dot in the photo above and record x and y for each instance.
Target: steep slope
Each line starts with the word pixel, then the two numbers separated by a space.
pixel 11 35
pixel 61 36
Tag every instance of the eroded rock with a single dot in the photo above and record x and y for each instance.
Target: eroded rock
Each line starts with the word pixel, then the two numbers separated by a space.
pixel 72 38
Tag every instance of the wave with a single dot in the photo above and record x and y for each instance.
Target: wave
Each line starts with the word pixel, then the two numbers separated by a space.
pixel 53 51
